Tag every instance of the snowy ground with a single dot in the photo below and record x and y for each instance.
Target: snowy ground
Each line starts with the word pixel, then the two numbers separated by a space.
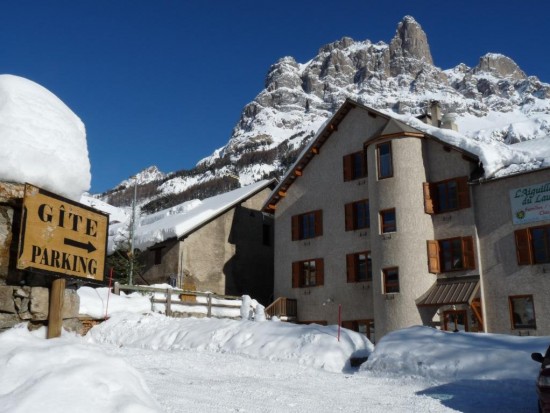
pixel 138 362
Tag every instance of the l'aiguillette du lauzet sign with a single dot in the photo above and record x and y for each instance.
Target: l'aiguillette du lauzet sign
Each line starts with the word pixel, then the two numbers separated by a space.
pixel 61 236
pixel 530 203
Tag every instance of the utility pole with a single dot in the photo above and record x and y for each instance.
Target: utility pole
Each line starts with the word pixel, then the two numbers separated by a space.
pixel 132 233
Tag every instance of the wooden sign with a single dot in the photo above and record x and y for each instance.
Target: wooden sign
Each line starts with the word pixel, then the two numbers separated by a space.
pixel 61 236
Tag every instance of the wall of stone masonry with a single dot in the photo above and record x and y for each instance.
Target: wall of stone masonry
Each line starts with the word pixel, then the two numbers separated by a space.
pixel 24 297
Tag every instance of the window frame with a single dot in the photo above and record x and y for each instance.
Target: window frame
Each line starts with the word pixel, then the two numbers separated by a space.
pixel 436 260
pixel 394 285
pixel 351 212
pixel 302 280
pixel 526 249
pixel 299 224
pixel 432 195
pixel 384 158
pixel 383 222
pixel 350 164
pixel 513 313
pixel 353 266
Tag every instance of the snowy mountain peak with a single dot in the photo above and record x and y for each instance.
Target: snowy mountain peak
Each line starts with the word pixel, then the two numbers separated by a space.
pixel 495 100
pixel 150 174
pixel 500 66
pixel 410 41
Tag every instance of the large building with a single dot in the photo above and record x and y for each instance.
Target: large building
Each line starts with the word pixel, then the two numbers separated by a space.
pixel 393 225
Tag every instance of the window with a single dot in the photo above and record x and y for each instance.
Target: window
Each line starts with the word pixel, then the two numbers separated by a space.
pixel 388 221
pixel 355 166
pixel 452 254
pixel 308 225
pixel 385 164
pixel 522 312
pixel 365 327
pixel 445 196
pixel 533 245
pixel 391 280
pixel 359 267
pixel 455 320
pixel 158 255
pixel 308 273
pixel 266 235
pixel 357 215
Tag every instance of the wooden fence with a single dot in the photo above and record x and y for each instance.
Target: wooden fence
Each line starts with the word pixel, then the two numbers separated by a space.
pixel 187 298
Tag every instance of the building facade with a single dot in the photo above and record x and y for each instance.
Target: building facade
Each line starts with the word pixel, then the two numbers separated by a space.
pixel 227 247
pixel 388 226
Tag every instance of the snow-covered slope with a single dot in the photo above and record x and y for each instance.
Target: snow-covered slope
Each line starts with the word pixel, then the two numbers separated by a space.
pixel 495 100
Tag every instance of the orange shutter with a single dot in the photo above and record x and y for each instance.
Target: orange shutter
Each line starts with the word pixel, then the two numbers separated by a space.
pixel 468 253
pixel 319 271
pixel 523 247
pixel 433 257
pixel 350 265
pixel 463 192
pixel 318 223
pixel 349 217
pixel 295 227
pixel 347 167
pixel 296 275
pixel 428 198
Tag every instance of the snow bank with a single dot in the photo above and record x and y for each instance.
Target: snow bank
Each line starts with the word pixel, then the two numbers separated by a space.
pixel 98 302
pixel 42 141
pixel 444 356
pixel 63 375
pixel 310 345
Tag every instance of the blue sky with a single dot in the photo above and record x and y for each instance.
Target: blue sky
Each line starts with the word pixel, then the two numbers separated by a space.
pixel 163 82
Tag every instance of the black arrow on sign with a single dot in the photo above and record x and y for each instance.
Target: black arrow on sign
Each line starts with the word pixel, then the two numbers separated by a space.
pixel 73 243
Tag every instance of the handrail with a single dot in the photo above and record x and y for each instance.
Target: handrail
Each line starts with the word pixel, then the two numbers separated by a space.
pixel 283 307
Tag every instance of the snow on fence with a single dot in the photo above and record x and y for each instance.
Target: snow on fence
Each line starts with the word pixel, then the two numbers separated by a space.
pixel 173 301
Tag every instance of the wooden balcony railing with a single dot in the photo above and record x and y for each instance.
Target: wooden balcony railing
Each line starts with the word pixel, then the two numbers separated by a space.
pixel 284 308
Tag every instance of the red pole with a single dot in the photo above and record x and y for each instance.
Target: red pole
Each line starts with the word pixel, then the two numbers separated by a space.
pixel 109 292
pixel 339 319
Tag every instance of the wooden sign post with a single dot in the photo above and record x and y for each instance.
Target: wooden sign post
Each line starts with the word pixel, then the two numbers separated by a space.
pixel 55 314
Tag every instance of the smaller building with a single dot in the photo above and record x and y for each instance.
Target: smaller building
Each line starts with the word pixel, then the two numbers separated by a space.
pixel 222 244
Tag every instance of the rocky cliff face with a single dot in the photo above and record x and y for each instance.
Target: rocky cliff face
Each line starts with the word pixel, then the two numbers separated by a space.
pixel 399 76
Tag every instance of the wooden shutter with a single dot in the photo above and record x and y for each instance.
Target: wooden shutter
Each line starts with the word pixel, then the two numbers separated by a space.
pixel 463 192
pixel 296 274
pixel 468 253
pixel 295 227
pixel 433 257
pixel 428 198
pixel 523 247
pixel 318 223
pixel 349 216
pixel 319 271
pixel 348 167
pixel 351 268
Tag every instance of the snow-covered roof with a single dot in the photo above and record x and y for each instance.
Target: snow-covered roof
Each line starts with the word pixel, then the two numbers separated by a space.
pixel 41 140
pixel 183 219
pixel 498 158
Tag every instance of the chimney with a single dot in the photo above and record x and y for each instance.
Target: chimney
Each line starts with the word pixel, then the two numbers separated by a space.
pixel 435 112
pixel 449 122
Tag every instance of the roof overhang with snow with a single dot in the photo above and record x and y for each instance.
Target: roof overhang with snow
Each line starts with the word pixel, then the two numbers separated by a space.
pixel 393 129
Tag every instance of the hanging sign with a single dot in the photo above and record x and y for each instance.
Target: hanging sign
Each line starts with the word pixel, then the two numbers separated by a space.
pixel 61 236
pixel 530 203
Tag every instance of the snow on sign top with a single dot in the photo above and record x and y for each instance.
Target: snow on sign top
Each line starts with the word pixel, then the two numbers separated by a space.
pixel 41 140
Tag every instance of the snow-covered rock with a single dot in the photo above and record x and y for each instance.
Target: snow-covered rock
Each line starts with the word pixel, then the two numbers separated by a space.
pixel 41 140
